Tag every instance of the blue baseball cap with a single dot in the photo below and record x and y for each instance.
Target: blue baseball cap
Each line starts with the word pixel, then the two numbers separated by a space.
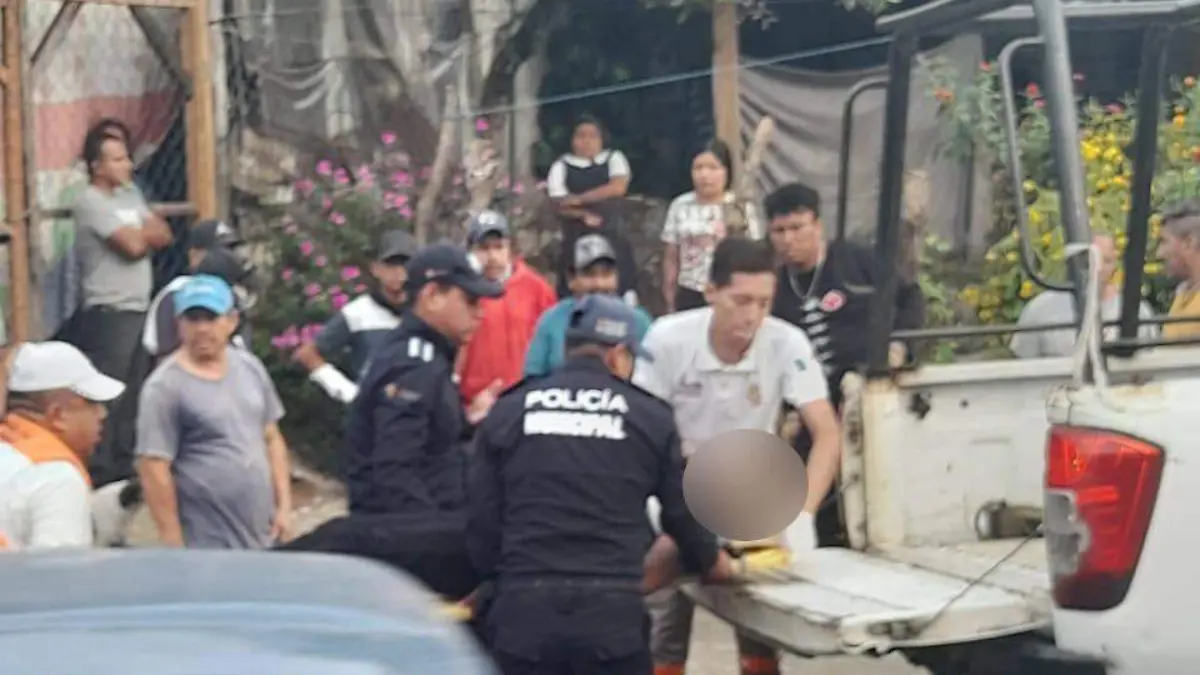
pixel 204 291
pixel 606 320
pixel 451 265
pixel 486 223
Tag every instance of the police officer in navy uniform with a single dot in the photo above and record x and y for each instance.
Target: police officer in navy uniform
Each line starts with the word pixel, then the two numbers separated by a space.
pixel 562 468
pixel 406 468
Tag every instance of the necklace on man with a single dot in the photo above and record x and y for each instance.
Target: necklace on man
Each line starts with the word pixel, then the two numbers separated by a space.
pixel 812 285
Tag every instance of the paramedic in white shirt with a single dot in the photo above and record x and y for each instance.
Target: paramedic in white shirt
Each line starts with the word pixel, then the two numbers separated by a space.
pixel 56 406
pixel 730 366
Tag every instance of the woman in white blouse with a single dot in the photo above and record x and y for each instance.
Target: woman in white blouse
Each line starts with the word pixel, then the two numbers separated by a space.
pixel 696 222
pixel 587 185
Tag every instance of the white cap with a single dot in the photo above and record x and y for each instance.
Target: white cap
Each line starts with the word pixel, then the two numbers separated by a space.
pixel 47 366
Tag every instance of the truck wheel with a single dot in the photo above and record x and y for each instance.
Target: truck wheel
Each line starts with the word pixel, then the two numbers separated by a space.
pixel 997 657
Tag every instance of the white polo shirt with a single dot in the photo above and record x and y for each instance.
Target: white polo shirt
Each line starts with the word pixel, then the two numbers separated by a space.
pixel 711 397
pixel 42 504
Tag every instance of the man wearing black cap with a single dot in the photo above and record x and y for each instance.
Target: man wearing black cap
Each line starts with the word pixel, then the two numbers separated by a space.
pixel 407 422
pixel 208 235
pixel 593 270
pixel 364 323
pixel 556 523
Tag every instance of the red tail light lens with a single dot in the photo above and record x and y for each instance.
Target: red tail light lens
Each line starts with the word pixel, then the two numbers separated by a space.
pixel 1100 493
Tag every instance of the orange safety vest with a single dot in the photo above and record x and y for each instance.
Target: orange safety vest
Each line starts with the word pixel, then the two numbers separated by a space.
pixel 38 445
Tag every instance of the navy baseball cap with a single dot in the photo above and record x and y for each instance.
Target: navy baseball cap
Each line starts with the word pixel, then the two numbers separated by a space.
pixel 396 245
pixel 204 291
pixel 606 320
pixel 591 249
pixel 486 223
pixel 449 264
pixel 213 233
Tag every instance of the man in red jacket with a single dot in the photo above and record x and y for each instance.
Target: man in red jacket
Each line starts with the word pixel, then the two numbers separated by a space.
pixel 495 356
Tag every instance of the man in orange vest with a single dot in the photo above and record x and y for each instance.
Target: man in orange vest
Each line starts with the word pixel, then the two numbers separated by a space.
pixel 54 419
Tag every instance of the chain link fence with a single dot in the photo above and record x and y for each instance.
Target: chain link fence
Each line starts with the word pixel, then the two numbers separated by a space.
pixel 94 62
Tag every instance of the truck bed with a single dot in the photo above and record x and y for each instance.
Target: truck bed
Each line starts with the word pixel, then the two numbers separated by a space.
pixel 841 601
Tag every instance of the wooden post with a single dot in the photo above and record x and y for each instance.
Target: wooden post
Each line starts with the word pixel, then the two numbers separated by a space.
pixel 726 98
pixel 15 213
pixel 201 133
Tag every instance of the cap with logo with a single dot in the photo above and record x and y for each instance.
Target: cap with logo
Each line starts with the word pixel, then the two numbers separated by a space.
pixel 212 234
pixel 449 264
pixel 204 291
pixel 49 366
pixel 396 245
pixel 591 249
pixel 486 223
pixel 606 320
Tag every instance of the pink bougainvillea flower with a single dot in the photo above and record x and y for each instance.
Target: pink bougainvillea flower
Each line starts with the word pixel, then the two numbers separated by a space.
pixel 350 272
pixel 341 177
pixel 337 218
pixel 326 204
pixel 306 248
pixel 399 201
pixel 481 125
pixel 324 168
pixel 305 187
pixel 287 274
pixel 312 290
pixel 519 188
pixel 309 332
pixel 320 261
pixel 288 339
pixel 405 211
pixel 388 137
pixel 339 300
pixel 1114 108
pixel 402 179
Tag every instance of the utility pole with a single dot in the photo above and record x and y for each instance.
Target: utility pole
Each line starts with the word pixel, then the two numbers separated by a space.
pixel 726 96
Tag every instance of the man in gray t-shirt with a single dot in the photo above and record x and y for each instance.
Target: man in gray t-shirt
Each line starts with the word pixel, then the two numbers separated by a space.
pixel 1056 307
pixel 116 234
pixel 212 461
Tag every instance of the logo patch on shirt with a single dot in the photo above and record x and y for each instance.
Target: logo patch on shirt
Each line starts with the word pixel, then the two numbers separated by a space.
pixel 833 301
pixel 754 394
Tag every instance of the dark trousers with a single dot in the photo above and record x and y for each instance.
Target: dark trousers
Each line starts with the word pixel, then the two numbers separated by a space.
pixel 557 627
pixel 430 547
pixel 686 298
pixel 112 340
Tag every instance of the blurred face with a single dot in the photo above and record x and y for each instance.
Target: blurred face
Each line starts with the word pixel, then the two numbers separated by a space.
pixel 77 421
pixel 587 141
pixel 391 275
pixel 205 335
pixel 113 166
pixel 798 237
pixel 740 307
pixel 494 255
pixel 599 277
pixel 709 176
pixel 1176 252
pixel 450 310
pixel 1108 256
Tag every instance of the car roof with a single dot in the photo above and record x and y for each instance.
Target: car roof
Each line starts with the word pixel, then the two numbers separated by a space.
pixel 177 612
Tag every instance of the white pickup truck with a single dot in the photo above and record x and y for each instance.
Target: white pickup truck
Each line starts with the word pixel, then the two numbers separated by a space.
pixel 1104 454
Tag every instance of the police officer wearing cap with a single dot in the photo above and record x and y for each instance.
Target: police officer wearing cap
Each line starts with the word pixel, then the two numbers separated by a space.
pixel 562 468
pixel 407 423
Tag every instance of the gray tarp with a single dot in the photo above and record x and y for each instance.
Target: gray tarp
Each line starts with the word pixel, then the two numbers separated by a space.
pixel 807 108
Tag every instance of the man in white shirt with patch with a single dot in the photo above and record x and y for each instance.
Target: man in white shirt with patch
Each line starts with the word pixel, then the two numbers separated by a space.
pixel 732 366
pixel 56 406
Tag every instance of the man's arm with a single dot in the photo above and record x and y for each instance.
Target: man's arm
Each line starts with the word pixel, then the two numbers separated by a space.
pixel 60 508
pixel 157 447
pixel 334 337
pixel 655 374
pixel 697 546
pixel 485 503
pixel 806 390
pixel 400 419
pixel 133 234
pixel 281 481
pixel 537 355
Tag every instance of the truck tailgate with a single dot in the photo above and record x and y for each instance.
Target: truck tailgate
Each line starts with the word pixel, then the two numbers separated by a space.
pixel 837 601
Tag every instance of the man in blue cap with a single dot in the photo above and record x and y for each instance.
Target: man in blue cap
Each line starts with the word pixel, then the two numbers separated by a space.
pixel 557 523
pixel 212 462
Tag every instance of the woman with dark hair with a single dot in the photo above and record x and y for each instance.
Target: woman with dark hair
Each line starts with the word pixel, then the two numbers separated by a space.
pixel 587 184
pixel 696 222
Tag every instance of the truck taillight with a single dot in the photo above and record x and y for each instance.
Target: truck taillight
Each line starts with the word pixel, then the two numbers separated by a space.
pixel 1100 492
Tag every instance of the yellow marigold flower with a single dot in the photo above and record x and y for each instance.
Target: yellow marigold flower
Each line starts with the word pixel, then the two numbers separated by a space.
pixel 1102 185
pixel 1035 216
pixel 1112 154
pixel 1011 256
pixel 1046 239
pixel 1090 151
pixel 1179 121
pixel 1026 289
pixel 1152 268
pixel 970 295
pixel 986 315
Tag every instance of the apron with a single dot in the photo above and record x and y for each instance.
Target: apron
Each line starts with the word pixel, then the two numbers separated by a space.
pixel 580 180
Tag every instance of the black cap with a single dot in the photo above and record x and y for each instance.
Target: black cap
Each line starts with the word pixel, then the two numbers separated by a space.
pixel 213 234
pixel 606 320
pixel 449 264
pixel 591 249
pixel 223 263
pixel 486 223
pixel 396 244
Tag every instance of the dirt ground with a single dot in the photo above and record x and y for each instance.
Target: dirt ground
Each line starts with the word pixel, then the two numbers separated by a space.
pixel 713 651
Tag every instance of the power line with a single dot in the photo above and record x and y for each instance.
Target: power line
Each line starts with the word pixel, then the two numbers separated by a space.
pixel 678 77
